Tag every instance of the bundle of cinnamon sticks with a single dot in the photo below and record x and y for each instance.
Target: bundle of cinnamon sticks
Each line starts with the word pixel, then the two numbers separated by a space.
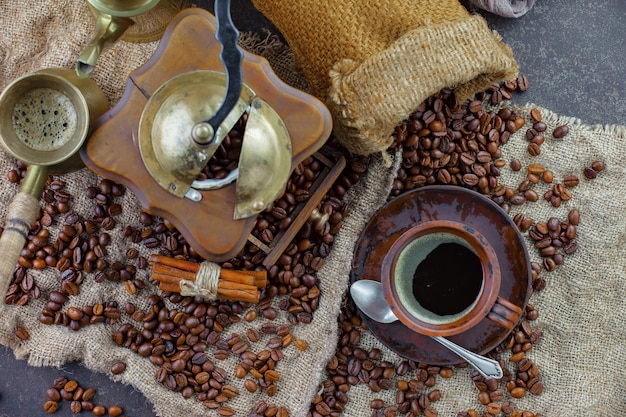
pixel 174 275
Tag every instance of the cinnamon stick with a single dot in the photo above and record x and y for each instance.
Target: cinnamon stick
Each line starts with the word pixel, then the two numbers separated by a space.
pixel 166 279
pixel 228 285
pixel 233 285
pixel 243 296
pixel 175 263
pixel 174 272
pixel 169 287
pixel 232 294
pixel 255 278
pixel 225 289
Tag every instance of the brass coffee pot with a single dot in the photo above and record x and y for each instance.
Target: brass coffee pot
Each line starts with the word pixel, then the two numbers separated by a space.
pixel 45 118
pixel 113 18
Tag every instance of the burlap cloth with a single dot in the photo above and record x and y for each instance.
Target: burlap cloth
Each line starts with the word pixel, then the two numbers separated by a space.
pixel 582 310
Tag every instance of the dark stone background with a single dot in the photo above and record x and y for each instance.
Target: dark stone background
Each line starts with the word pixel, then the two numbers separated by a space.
pixel 574 55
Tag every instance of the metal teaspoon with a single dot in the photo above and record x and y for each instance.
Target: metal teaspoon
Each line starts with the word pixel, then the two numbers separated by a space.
pixel 368 296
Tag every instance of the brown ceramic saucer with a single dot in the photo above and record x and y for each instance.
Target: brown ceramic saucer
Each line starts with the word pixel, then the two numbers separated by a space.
pixel 443 203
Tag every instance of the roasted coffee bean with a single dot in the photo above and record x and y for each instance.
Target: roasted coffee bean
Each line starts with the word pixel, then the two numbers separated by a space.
pixel 597 166
pixel 493 409
pixel 59 382
pixel 560 132
pixel 118 368
pixel 21 333
pixel 75 407
pixel 531 195
pixel 590 173
pixel 535 114
pixel 536 388
pixel 517 199
pixel 251 385
pixel 547 176
pixel 533 149
pixel 523 83
pixel 571 181
pixel 70 386
pixel 115 411
pixel 573 217
pixel 99 410
pixel 53 394
pixel 539 127
pixel 51 407
pixel 74 313
pixel 13 176
pixel 536 169
pixel 88 394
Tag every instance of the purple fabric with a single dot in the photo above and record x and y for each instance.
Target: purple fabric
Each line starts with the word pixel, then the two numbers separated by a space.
pixel 506 8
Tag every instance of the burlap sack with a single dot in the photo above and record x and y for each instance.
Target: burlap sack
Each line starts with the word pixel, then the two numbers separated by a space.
pixel 374 62
pixel 51 33
pixel 582 310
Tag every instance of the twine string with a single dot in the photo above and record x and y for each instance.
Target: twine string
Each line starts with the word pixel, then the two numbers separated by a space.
pixel 206 282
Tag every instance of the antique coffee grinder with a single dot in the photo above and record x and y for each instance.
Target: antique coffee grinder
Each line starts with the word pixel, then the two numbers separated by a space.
pixel 174 115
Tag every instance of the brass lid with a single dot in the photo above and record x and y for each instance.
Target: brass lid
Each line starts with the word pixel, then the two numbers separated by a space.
pixel 174 159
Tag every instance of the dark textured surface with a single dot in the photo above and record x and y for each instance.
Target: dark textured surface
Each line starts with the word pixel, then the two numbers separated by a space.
pixel 574 54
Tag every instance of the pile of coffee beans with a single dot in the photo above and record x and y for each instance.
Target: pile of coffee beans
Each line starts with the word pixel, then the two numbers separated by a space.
pixel 77 317
pixel 177 340
pixel 22 289
pixel 446 142
pixel 554 239
pixel 80 399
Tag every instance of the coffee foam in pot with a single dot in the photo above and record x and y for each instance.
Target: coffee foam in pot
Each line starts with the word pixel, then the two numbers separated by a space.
pixel 44 119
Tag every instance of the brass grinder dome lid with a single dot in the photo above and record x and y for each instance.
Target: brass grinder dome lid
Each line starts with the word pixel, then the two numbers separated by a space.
pixel 174 159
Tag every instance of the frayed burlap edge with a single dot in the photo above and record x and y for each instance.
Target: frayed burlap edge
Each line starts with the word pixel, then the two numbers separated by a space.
pixel 367 106
pixel 364 199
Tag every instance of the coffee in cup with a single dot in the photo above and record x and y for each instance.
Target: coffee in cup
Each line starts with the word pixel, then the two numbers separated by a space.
pixel 441 278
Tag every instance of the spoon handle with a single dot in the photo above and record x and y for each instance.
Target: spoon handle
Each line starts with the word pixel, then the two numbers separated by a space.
pixel 487 367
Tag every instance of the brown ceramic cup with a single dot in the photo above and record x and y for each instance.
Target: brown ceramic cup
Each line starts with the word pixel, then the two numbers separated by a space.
pixel 401 290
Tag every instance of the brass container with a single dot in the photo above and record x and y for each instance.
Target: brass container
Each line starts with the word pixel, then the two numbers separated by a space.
pixel 44 120
pixel 36 136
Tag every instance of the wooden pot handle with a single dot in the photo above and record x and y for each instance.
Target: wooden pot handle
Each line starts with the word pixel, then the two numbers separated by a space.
pixel 21 215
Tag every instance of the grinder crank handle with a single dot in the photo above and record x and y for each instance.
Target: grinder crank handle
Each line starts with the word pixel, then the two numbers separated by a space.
pixel 21 215
pixel 231 56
